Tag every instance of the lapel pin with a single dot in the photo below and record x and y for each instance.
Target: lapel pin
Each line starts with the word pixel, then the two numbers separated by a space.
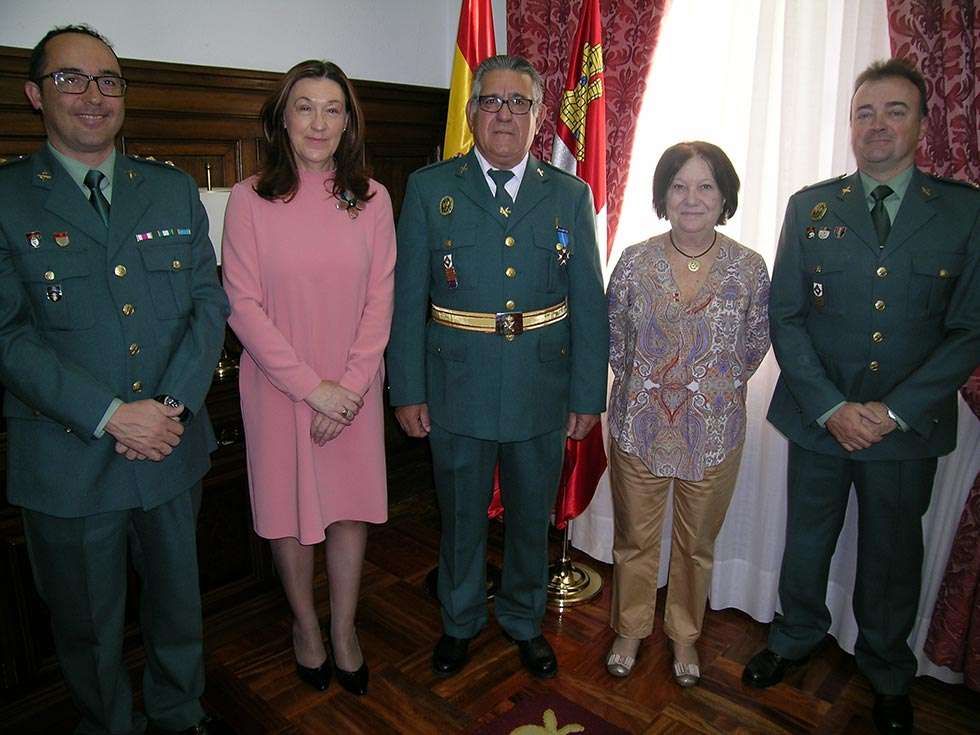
pixel 505 211
pixel 845 190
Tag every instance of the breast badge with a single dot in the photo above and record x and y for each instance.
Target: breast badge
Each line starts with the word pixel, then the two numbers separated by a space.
pixel 450 269
pixel 61 239
pixel 446 206
pixel 811 232
pixel 54 293
pixel 823 233
pixel 839 232
pixel 561 246
pixel 33 239
pixel 818 211
pixel 818 301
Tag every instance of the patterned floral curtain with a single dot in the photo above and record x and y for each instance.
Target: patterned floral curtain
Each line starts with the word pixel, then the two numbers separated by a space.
pixel 942 38
pixel 954 633
pixel 542 31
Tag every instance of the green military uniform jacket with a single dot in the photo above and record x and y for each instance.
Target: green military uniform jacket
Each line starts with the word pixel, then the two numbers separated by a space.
pixel 482 385
pixel 88 315
pixel 854 322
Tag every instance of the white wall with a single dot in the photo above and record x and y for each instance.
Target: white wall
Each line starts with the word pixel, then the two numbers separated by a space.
pixel 407 41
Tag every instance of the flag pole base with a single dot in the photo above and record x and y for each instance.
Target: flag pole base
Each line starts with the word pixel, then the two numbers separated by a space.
pixel 571 583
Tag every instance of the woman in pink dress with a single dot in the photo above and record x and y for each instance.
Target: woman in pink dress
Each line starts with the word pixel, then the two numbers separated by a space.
pixel 308 259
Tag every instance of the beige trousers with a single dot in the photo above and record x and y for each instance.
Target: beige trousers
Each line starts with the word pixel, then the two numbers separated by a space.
pixel 639 503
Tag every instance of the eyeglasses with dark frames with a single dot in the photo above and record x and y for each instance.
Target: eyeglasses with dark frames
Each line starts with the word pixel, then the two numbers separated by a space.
pixel 517 105
pixel 74 82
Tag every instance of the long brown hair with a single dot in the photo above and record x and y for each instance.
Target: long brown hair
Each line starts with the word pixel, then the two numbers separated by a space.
pixel 279 178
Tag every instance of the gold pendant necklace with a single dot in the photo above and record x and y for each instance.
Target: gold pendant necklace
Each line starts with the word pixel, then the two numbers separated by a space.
pixel 693 264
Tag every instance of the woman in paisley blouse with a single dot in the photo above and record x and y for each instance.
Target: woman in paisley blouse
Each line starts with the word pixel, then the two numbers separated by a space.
pixel 688 324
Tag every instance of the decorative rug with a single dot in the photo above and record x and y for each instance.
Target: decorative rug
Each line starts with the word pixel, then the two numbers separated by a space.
pixel 549 714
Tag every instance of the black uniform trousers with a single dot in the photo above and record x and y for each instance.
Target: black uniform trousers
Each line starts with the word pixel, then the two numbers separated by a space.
pixel 892 497
pixel 80 571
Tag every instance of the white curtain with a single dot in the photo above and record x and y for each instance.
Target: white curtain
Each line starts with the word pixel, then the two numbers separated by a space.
pixel 770 82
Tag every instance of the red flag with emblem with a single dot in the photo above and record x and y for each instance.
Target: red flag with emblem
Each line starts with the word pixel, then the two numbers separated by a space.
pixel 580 148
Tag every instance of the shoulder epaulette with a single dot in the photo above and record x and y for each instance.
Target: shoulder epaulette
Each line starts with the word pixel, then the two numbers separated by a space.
pixel 437 164
pixel 825 182
pixel 150 159
pixel 957 182
pixel 10 160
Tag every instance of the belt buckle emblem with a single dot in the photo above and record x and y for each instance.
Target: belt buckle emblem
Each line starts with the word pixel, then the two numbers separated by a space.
pixel 510 323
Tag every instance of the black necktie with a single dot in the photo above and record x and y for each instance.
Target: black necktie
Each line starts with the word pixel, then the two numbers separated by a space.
pixel 502 198
pixel 93 180
pixel 879 215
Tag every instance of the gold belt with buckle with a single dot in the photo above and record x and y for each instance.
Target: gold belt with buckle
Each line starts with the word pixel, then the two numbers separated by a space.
pixel 506 323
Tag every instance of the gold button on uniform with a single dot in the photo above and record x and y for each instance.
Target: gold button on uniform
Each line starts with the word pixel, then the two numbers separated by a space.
pixel 175 264
pixel 877 336
pixel 873 366
pixel 879 305
pixel 128 309
pixel 510 272
pixel 509 305
pixel 134 349
pixel 818 269
pixel 448 243
pixel 509 241
pixel 509 337
pixel 881 271
pixel 137 386
pixel 943 273
pixel 119 270
pixel 48 275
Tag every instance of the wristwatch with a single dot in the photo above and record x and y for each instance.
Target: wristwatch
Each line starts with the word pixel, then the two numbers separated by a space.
pixel 168 400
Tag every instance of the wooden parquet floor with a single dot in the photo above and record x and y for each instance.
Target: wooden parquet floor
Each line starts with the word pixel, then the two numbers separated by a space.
pixel 251 680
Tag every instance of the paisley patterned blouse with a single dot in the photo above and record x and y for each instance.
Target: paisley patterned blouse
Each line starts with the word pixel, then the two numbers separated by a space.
pixel 680 369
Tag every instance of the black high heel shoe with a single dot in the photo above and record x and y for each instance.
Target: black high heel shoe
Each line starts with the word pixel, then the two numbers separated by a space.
pixel 356 682
pixel 318 678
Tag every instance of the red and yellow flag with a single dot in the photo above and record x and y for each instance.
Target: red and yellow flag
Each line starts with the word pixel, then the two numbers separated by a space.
pixel 580 148
pixel 474 43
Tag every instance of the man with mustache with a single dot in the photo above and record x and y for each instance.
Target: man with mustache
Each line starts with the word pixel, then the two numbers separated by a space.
pixel 875 320
pixel 111 323
pixel 512 359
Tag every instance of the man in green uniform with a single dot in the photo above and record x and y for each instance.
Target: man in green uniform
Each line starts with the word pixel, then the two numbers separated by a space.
pixel 513 355
pixel 111 322
pixel 875 320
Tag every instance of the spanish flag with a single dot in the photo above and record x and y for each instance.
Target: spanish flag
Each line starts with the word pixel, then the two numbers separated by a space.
pixel 580 149
pixel 474 43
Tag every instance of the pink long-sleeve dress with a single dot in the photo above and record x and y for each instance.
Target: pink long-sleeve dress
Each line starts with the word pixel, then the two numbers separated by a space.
pixel 311 299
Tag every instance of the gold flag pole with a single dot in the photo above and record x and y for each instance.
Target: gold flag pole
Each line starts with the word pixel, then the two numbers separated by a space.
pixel 570 583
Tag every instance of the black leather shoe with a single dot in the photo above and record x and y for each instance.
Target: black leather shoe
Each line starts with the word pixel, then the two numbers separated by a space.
pixel 450 655
pixel 768 667
pixel 893 713
pixel 353 681
pixel 538 657
pixel 318 678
